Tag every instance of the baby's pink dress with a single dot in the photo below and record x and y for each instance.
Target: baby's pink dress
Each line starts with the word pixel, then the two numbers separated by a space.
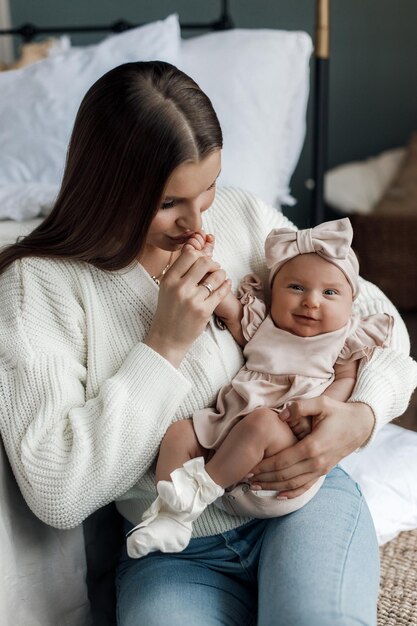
pixel 281 366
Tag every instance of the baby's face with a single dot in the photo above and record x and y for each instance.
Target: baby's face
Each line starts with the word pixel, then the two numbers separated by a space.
pixel 310 296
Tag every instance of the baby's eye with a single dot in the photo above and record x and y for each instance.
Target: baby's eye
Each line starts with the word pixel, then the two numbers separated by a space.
pixel 296 287
pixel 168 204
pixel 330 292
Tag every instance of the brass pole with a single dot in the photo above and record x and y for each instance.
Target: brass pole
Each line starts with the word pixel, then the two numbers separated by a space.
pixel 322 29
pixel 320 109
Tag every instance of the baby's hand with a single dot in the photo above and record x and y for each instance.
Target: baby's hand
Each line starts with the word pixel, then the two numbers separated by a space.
pixel 300 426
pixel 201 241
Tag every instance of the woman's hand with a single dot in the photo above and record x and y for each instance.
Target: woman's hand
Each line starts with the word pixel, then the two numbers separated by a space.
pixel 229 310
pixel 185 305
pixel 301 425
pixel 338 429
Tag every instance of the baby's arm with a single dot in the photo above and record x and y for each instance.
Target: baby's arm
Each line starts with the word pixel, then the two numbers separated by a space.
pixel 230 312
pixel 230 309
pixel 344 381
pixel 340 389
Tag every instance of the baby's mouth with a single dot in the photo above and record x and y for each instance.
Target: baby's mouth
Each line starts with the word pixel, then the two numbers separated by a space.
pixel 306 317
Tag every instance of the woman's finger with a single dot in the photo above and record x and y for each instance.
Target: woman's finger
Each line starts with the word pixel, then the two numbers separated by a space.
pixel 299 452
pixel 211 282
pixel 191 265
pixel 297 492
pixel 204 269
pixel 220 293
pixel 282 477
pixel 297 485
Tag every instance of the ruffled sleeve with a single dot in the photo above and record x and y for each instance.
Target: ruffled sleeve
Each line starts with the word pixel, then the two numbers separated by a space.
pixel 254 309
pixel 366 335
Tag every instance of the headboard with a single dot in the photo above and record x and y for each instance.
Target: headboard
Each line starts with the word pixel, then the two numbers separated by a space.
pixel 28 32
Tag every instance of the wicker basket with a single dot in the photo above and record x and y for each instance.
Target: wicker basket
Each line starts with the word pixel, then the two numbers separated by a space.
pixel 386 246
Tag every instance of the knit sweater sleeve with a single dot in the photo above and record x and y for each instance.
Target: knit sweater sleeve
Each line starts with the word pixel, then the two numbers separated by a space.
pixel 71 455
pixel 387 380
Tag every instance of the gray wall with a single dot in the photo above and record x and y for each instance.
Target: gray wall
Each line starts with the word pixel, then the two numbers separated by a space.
pixel 373 74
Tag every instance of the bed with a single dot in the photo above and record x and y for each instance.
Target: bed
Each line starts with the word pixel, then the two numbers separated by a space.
pixel 264 133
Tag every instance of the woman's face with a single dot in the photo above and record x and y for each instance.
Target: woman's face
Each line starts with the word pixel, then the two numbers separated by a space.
pixel 310 296
pixel 189 191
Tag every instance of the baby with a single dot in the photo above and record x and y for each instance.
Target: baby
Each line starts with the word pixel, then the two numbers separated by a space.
pixel 309 343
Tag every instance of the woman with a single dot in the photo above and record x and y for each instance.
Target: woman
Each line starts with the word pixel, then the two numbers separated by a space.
pixel 98 360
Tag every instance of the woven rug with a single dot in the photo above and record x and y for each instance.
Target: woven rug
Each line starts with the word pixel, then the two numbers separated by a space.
pixel 397 605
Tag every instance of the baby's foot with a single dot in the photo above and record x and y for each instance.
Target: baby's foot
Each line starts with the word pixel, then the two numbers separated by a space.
pixel 164 533
pixel 167 524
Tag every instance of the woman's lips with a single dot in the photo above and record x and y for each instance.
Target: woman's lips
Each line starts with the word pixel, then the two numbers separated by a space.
pixel 182 238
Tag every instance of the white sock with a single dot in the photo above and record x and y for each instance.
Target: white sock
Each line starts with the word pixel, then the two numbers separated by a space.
pixel 167 524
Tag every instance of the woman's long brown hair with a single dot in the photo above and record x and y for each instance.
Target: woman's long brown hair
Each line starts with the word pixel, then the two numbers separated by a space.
pixel 135 125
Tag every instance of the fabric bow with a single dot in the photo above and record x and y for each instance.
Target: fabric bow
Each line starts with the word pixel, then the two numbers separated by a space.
pixel 330 240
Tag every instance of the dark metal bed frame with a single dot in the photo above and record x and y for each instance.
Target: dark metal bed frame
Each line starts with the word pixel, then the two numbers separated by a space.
pixel 28 32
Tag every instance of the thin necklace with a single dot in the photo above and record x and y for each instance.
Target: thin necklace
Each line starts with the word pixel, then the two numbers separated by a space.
pixel 157 279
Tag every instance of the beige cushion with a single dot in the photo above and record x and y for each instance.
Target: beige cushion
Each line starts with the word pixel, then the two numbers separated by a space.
pixel 401 196
pixel 357 186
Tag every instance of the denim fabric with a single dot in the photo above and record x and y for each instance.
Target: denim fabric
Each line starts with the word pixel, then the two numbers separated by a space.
pixel 318 566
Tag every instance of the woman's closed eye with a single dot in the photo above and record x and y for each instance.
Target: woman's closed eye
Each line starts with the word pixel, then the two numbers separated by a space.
pixel 170 203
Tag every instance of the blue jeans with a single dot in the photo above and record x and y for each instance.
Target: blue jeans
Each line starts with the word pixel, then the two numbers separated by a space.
pixel 318 566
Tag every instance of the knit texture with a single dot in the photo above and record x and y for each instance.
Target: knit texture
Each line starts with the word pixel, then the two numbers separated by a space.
pixel 85 403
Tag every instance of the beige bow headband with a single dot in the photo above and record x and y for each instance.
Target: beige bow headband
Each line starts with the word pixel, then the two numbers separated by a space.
pixel 330 240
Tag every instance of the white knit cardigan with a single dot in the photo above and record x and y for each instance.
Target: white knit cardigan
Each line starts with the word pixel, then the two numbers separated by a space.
pixel 84 403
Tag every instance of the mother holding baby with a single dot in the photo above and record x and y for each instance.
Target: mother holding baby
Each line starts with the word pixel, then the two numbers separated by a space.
pixel 108 336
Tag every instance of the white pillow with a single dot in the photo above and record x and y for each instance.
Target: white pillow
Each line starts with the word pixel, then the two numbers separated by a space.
pixel 59 45
pixel 38 106
pixel 258 82
pixel 356 187
pixel 387 474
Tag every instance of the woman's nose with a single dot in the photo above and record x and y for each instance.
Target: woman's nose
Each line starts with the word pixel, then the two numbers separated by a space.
pixel 191 218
